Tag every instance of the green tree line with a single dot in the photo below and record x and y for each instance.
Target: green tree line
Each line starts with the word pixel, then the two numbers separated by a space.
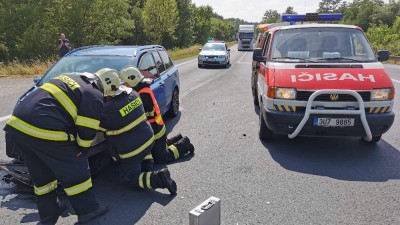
pixel 29 29
pixel 380 20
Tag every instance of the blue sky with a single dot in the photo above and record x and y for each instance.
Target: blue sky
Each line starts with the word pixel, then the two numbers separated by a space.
pixel 253 10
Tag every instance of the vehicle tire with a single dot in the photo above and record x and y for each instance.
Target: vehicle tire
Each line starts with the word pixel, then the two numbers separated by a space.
pixel 374 139
pixel 226 65
pixel 199 65
pixel 255 97
pixel 174 106
pixel 264 133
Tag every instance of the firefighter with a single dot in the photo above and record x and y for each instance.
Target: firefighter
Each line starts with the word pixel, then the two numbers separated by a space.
pixel 163 151
pixel 53 128
pixel 130 139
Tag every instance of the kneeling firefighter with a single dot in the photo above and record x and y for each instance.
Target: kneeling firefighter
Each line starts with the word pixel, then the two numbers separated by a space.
pixel 53 128
pixel 130 139
pixel 164 150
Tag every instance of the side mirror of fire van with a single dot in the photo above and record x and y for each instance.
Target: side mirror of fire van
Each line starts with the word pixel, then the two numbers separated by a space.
pixel 383 55
pixel 257 55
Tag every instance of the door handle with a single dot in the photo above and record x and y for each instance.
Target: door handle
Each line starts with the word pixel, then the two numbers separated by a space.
pixel 169 75
pixel 161 83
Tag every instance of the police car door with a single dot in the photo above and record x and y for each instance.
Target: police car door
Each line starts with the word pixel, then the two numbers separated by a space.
pixel 149 69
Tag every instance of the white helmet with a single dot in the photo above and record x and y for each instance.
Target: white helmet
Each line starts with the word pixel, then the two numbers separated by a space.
pixel 109 80
pixel 131 75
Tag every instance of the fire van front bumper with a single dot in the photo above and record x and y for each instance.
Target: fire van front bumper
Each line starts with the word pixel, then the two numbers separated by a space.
pixel 286 123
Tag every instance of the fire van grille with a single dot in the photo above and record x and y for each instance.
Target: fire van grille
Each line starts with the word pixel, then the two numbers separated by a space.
pixel 305 95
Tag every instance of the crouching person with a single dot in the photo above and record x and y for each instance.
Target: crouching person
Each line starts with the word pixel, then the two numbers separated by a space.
pixel 164 150
pixel 131 138
pixel 53 128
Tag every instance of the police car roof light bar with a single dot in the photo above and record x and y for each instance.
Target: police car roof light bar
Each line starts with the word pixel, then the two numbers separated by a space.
pixel 312 17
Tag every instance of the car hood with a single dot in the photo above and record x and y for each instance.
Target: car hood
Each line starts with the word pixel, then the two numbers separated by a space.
pixel 212 53
pixel 371 75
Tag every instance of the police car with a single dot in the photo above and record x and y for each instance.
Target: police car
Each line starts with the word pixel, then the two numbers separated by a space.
pixel 322 80
pixel 214 53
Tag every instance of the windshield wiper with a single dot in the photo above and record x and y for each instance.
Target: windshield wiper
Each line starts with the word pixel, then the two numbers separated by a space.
pixel 339 58
pixel 295 58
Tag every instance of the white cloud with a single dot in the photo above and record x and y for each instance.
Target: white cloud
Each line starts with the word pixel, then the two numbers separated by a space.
pixel 253 10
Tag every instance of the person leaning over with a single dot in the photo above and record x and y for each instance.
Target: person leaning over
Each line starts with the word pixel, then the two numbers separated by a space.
pixel 164 150
pixel 52 128
pixel 130 139
pixel 63 45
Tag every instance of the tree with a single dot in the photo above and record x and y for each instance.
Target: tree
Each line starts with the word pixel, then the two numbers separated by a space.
pixel 160 19
pixel 271 16
pixel 184 29
pixel 363 13
pixel 331 6
pixel 289 10
pixel 202 24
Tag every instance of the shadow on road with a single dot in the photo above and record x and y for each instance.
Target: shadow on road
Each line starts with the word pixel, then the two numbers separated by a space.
pixel 338 158
pixel 170 123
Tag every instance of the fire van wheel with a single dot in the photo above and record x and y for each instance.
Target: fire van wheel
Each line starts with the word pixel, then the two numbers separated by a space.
pixel 374 139
pixel 174 106
pixel 265 133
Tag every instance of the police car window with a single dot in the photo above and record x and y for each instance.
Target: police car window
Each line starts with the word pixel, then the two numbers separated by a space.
pixel 166 60
pixel 214 47
pixel 148 67
pixel 159 63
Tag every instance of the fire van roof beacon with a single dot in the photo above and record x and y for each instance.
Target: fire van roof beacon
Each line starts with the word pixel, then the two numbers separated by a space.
pixel 312 17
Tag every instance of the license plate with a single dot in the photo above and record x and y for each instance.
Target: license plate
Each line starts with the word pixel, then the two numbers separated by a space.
pixel 334 122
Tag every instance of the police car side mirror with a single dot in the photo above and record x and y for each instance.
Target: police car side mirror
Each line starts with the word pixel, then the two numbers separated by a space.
pixel 383 55
pixel 199 49
pixel 37 79
pixel 228 49
pixel 257 55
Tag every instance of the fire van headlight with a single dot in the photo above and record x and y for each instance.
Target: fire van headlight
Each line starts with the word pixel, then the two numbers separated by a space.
pixel 285 93
pixel 380 94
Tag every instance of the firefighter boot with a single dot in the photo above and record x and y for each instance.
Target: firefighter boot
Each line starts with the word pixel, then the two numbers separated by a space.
pixel 164 180
pixel 49 208
pixel 101 209
pixel 174 139
pixel 184 146
pixel 50 216
pixel 189 145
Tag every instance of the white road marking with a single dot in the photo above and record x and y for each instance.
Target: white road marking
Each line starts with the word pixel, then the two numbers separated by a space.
pixel 240 60
pixel 4 118
pixel 397 81
pixel 205 82
pixel 180 64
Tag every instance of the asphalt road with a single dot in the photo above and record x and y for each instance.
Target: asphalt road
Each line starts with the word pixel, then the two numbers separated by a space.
pixel 300 181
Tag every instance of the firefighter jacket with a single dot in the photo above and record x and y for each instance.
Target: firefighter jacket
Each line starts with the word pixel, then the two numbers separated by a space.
pixel 125 124
pixel 66 108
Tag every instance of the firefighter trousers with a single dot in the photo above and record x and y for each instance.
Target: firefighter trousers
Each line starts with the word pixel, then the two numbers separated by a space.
pixel 132 175
pixel 51 163
pixel 161 152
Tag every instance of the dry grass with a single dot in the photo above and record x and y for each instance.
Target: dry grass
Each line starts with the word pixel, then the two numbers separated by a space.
pixel 30 69
pixel 38 68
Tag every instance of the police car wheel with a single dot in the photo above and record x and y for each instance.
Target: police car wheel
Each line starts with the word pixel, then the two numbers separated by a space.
pixel 264 133
pixel 174 106
pixel 199 66
pixel 374 139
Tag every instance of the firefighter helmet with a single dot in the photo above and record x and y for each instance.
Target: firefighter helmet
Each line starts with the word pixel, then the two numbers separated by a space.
pixel 109 81
pixel 131 75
